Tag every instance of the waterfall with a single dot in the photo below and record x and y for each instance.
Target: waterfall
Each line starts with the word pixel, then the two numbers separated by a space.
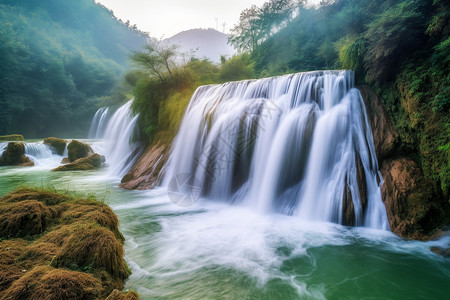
pixel 38 151
pixel 298 144
pixel 120 150
pixel 98 125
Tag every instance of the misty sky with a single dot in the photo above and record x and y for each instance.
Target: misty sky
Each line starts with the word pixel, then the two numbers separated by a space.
pixel 164 18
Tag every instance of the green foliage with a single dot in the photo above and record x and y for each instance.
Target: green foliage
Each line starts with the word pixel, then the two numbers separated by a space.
pixel 58 59
pixel 351 52
pixel 237 68
pixel 392 35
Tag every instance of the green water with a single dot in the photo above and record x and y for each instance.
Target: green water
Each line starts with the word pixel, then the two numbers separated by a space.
pixel 214 251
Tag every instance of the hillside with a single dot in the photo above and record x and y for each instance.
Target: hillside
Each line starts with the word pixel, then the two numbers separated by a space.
pixel 205 43
pixel 58 60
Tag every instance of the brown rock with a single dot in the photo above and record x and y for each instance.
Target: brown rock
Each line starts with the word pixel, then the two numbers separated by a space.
pixel 65 160
pixel 145 173
pixel 384 135
pixel 409 199
pixel 77 149
pixel 15 155
pixel 93 161
pixel 57 145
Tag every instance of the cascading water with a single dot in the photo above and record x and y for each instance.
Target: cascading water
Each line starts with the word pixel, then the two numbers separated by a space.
pixel 298 144
pixel 99 122
pixel 119 148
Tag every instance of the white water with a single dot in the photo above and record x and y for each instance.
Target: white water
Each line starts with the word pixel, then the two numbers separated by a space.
pixel 117 143
pixel 99 122
pixel 286 144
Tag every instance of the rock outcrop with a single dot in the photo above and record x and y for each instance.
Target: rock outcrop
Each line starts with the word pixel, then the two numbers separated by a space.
pixel 412 205
pixel 409 199
pixel 385 137
pixel 77 149
pixel 14 155
pixel 93 161
pixel 56 144
pixel 146 172
pixel 55 246
pixel 11 137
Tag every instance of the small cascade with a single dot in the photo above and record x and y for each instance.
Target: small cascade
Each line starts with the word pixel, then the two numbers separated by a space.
pixel 38 151
pixel 3 148
pixel 119 149
pixel 99 122
pixel 298 144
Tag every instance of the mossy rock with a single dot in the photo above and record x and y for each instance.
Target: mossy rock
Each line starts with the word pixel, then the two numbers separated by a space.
pixel 57 145
pixel 73 248
pixel 94 161
pixel 118 295
pixel 11 137
pixel 77 149
pixel 15 155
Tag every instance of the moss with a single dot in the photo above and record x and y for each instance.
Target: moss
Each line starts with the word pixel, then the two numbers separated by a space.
pixel 58 145
pixel 45 282
pixel 23 219
pixel 77 149
pixel 11 137
pixel 73 248
pixel 91 245
pixel 118 295
pixel 93 161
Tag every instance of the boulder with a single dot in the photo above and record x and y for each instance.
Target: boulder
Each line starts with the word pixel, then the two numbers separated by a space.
pixel 385 138
pixel 93 161
pixel 65 160
pixel 57 145
pixel 145 173
pixel 77 149
pixel 14 155
pixel 409 199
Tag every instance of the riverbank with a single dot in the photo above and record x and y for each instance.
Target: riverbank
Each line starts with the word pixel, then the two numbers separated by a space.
pixel 58 246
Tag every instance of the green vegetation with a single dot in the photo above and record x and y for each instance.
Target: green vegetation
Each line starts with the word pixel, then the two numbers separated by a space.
pixel 163 88
pixel 11 137
pixel 57 246
pixel 400 48
pixel 59 61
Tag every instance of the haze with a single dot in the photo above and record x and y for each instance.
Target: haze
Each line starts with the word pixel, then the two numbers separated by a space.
pixel 163 19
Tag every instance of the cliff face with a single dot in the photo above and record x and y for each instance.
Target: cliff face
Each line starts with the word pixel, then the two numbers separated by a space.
pixel 414 207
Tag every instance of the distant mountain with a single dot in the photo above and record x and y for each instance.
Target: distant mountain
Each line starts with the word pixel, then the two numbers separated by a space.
pixel 204 43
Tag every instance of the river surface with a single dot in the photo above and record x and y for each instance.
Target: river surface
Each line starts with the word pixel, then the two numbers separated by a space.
pixel 219 251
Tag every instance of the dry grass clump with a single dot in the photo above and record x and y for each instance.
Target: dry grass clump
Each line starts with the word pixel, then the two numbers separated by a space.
pixel 73 247
pixel 84 211
pixel 49 198
pixel 23 219
pixel 10 269
pixel 92 246
pixel 54 284
pixel 118 295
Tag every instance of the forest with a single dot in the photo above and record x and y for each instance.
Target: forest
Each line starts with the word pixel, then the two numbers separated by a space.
pixel 60 60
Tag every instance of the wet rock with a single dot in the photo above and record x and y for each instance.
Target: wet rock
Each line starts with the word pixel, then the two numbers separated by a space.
pixel 385 137
pixel 65 160
pixel 57 145
pixel 146 172
pixel 14 155
pixel 444 252
pixel 77 149
pixel 93 161
pixel 409 199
